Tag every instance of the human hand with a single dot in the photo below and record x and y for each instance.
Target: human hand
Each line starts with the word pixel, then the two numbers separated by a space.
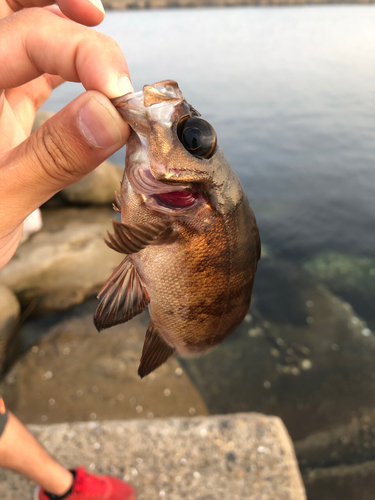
pixel 39 49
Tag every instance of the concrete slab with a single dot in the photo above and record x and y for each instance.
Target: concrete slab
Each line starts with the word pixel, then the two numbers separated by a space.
pixel 237 457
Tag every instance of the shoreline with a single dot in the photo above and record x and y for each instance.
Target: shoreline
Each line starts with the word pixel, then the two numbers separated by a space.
pixel 167 4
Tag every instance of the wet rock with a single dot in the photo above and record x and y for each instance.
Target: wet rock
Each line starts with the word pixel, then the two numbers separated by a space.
pixel 40 118
pixel 345 445
pixel 96 188
pixel 354 482
pixel 64 263
pixel 234 456
pixel 281 291
pixel 350 277
pixel 9 317
pixel 74 373
pixel 315 375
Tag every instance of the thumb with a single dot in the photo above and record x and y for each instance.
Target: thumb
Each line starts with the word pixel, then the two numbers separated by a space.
pixel 65 149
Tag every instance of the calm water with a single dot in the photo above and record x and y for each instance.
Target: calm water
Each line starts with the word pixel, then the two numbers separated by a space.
pixel 290 92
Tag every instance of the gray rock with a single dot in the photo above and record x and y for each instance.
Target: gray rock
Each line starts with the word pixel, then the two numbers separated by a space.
pixel 350 277
pixel 40 118
pixel 74 373
pixel 309 361
pixel 238 457
pixel 96 188
pixel 9 317
pixel 64 263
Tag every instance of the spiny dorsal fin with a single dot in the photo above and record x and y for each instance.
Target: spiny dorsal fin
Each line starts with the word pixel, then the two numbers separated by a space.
pixel 155 352
pixel 133 238
pixel 122 297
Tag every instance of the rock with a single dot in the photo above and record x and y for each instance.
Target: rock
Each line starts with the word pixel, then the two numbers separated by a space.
pixel 238 457
pixel 32 224
pixel 350 277
pixel 74 373
pixel 40 118
pixel 315 375
pixel 96 188
pixel 342 482
pixel 64 263
pixel 344 445
pixel 9 317
pixel 281 291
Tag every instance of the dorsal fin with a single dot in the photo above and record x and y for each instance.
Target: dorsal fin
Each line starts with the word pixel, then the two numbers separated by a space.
pixel 155 352
pixel 133 238
pixel 122 297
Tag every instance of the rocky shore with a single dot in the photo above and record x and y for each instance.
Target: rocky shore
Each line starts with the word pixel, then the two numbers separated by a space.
pixel 162 4
pixel 304 353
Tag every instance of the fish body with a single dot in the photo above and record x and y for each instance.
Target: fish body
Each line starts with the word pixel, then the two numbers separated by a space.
pixel 187 229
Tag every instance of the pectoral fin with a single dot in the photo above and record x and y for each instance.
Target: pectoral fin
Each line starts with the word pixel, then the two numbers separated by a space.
pixel 130 239
pixel 155 351
pixel 122 297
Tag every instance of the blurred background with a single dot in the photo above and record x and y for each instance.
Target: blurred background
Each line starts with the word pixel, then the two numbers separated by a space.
pixel 291 93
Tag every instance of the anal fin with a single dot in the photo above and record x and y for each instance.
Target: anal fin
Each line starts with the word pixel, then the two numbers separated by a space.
pixel 155 352
pixel 122 297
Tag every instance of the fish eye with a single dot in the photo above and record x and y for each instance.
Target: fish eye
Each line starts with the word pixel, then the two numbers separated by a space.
pixel 197 136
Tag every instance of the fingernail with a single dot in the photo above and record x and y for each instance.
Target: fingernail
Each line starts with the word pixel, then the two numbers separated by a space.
pixel 99 124
pixel 119 87
pixel 98 4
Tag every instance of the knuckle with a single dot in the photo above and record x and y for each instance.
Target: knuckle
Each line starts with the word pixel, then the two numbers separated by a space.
pixel 57 157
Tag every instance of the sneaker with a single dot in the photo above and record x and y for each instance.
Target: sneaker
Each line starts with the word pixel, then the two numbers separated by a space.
pixel 87 486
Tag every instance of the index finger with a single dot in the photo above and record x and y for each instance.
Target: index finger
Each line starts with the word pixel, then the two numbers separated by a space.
pixel 35 41
pixel 88 12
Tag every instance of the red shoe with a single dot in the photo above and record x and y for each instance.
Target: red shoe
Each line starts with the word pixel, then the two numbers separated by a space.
pixel 87 486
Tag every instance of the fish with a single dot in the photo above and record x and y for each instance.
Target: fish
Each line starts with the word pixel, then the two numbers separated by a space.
pixel 189 236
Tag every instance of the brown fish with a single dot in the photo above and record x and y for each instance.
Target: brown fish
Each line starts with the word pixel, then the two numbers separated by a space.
pixel 187 230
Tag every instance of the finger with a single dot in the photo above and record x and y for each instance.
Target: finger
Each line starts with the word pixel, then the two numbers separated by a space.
pixel 88 12
pixel 12 133
pixel 44 43
pixel 2 99
pixel 28 98
pixel 63 150
pixel 55 9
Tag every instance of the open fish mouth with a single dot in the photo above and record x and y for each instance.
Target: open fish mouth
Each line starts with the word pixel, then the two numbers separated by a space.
pixel 175 202
pixel 177 199
pixel 160 196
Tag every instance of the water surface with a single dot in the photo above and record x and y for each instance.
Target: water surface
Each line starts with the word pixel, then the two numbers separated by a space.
pixel 290 92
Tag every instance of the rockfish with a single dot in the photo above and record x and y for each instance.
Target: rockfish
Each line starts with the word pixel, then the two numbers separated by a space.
pixel 189 235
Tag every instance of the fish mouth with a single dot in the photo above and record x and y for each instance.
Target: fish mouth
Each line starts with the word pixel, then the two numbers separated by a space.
pixel 174 202
pixel 161 197
pixel 177 199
